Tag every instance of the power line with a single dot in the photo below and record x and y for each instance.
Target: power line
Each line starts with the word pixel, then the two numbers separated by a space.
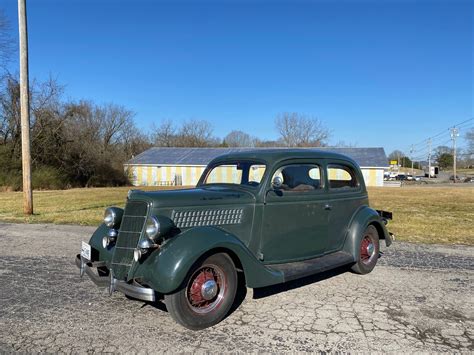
pixel 438 136
pixel 463 122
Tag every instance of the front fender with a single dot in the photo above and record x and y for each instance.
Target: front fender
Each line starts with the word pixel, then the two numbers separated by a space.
pixel 98 251
pixel 363 217
pixel 166 270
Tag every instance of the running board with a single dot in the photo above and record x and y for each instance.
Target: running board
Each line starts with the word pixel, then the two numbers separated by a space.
pixel 299 269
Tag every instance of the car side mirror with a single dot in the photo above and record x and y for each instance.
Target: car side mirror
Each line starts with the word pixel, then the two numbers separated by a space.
pixel 277 182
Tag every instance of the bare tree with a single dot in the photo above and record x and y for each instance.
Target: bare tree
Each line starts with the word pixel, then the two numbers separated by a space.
pixel 7 45
pixel 10 114
pixel 76 143
pixel 115 120
pixel 196 133
pixel 396 155
pixel 165 135
pixel 134 142
pixel 343 144
pixel 268 143
pixel 239 139
pixel 298 130
pixel 470 141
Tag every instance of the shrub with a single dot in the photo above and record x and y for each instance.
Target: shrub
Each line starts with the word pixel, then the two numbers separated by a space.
pixel 47 178
pixel 10 180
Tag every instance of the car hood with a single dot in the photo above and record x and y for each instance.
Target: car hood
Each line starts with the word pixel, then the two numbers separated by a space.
pixel 200 196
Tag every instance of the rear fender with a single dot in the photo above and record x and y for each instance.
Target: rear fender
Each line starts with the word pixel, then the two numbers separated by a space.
pixel 364 217
pixel 166 269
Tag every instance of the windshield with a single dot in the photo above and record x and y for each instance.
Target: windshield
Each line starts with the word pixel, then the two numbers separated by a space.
pixel 237 173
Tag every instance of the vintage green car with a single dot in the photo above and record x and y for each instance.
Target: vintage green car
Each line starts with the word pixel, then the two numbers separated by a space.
pixel 268 216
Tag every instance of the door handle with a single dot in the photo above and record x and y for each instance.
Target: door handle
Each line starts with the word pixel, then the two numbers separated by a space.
pixel 327 207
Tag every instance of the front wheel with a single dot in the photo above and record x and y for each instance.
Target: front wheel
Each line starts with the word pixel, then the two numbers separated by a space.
pixel 368 251
pixel 208 294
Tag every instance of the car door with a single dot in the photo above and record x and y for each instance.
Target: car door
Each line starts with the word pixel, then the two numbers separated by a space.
pixel 294 216
pixel 344 198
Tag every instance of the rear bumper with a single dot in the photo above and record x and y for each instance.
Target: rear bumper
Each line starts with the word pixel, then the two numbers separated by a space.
pixel 132 290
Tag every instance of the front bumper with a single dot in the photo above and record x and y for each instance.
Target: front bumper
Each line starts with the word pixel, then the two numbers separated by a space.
pixel 132 290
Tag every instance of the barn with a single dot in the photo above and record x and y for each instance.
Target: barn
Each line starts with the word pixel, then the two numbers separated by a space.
pixel 183 166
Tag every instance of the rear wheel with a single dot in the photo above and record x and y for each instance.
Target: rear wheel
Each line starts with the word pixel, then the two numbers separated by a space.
pixel 368 251
pixel 208 294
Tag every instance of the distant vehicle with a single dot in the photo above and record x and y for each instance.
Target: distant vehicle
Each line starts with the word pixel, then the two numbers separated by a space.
pixel 452 178
pixel 433 172
pixel 410 177
pixel 389 175
pixel 401 177
pixel 469 179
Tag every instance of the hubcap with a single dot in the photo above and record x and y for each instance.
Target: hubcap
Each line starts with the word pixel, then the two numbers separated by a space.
pixel 367 250
pixel 206 289
pixel 370 249
pixel 209 289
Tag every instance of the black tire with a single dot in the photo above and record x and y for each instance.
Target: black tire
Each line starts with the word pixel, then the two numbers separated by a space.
pixel 368 252
pixel 191 307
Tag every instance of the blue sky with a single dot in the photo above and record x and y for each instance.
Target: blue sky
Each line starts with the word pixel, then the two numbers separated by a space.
pixel 377 73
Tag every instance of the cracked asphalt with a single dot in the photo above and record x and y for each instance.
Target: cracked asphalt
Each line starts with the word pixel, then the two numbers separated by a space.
pixel 418 298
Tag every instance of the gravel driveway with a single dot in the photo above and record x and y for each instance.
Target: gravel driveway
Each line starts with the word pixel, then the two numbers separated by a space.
pixel 419 297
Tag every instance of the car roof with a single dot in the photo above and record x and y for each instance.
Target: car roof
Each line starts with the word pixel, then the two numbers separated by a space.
pixel 272 156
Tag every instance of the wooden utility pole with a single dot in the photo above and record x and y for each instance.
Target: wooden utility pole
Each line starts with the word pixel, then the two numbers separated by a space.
pixel 454 135
pixel 25 110
pixel 429 158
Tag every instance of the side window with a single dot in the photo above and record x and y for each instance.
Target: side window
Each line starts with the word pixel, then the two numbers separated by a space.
pixel 342 177
pixel 256 172
pixel 300 177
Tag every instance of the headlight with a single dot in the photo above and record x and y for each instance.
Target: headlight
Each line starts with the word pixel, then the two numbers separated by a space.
pixel 152 227
pixel 113 217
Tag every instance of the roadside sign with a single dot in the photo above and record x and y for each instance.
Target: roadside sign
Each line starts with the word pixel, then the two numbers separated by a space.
pixel 393 162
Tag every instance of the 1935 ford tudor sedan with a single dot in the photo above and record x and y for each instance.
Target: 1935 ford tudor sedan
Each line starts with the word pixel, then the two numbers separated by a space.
pixel 271 215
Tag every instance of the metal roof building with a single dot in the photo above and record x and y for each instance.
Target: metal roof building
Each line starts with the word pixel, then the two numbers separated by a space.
pixel 183 166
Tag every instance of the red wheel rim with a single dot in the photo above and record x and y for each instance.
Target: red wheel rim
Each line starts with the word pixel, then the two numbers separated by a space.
pixel 367 249
pixel 206 289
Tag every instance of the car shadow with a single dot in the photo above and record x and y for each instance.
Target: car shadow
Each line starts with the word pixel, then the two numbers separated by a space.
pixel 240 294
pixel 267 291
pixel 159 305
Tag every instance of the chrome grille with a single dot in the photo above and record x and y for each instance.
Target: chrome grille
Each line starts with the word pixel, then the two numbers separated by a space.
pixel 129 234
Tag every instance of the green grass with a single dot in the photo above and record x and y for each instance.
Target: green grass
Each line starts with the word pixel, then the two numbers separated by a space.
pixel 421 214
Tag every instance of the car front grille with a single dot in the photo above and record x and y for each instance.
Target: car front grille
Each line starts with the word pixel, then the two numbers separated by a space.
pixel 131 228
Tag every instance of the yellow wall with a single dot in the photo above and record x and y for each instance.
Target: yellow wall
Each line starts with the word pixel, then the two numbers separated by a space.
pixel 189 175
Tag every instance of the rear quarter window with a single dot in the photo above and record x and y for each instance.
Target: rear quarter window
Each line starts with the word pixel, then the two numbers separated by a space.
pixel 342 177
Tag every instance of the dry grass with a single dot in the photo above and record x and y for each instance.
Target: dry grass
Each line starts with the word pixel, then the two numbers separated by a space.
pixel 428 214
pixel 421 214
pixel 74 206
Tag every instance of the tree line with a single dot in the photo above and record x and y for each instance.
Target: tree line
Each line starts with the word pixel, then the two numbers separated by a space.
pixel 73 143
pixel 294 130
pixel 82 143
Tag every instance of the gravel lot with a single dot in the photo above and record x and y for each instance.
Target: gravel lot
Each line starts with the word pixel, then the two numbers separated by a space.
pixel 419 298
